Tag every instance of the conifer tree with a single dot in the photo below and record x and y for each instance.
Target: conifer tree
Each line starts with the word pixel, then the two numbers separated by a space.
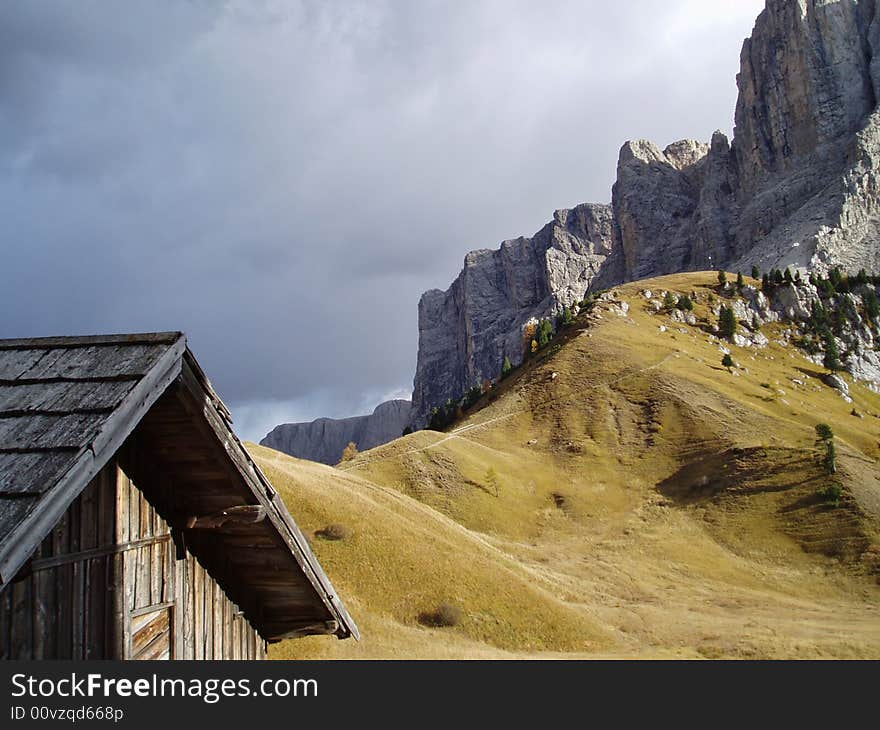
pixel 726 322
pixel 832 354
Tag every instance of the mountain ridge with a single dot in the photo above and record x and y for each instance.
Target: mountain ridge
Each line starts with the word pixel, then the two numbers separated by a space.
pixel 799 185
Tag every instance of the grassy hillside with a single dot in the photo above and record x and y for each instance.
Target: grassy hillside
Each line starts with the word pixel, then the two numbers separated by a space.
pixel 621 494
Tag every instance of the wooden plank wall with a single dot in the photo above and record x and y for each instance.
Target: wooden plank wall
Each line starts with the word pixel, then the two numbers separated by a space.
pixel 58 606
pixel 106 583
pixel 204 623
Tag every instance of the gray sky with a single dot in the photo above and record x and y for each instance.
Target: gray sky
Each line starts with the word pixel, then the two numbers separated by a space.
pixel 282 180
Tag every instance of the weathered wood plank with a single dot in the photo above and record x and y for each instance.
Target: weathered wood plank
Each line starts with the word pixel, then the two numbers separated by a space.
pixel 128 576
pixel 43 625
pixel 175 568
pixel 22 620
pixel 147 630
pixel 96 361
pixel 49 343
pixel 210 585
pixel 63 587
pixel 107 505
pixel 116 581
pixel 144 579
pixel 199 610
pixel 42 432
pixel 62 396
pixel 16 362
pixel 236 635
pixel 123 533
pixel 31 472
pixel 88 527
pixel 5 623
pixel 77 611
pixel 216 626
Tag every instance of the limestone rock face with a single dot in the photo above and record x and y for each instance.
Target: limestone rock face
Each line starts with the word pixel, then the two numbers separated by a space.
pixel 799 186
pixel 805 145
pixel 325 439
pixel 466 331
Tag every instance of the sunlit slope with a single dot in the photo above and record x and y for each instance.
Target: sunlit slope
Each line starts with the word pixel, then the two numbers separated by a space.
pixel 401 560
pixel 657 502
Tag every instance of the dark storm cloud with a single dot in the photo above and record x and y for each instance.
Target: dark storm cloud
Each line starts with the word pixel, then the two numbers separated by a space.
pixel 282 180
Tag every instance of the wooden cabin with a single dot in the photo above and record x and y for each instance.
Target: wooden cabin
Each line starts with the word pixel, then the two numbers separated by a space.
pixel 133 523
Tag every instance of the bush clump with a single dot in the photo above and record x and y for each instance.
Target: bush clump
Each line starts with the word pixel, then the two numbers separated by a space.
pixel 444 616
pixel 334 531
pixel 832 494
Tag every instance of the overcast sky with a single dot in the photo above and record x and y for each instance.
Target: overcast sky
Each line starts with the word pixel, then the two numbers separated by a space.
pixel 281 180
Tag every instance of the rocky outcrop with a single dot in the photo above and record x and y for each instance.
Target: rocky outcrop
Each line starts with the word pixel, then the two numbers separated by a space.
pixel 466 331
pixel 798 186
pixel 325 439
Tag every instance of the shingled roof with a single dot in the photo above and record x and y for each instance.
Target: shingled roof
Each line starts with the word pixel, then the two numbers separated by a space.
pixel 68 404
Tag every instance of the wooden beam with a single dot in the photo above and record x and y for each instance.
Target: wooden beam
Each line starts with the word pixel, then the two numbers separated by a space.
pixel 58 343
pixel 46 563
pixel 244 514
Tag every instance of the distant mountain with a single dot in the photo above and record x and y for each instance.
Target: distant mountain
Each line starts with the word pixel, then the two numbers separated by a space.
pixel 325 439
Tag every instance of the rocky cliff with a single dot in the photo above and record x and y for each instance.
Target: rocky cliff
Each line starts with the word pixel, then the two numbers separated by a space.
pixel 798 186
pixel 324 439
pixel 466 332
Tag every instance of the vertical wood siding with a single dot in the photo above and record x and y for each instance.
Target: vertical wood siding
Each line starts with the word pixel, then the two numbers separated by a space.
pixel 106 583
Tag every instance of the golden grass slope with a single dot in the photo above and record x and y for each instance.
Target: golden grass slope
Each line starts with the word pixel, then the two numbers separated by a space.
pixel 622 494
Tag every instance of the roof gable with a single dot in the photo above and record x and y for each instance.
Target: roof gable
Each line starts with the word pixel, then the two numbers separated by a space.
pixel 66 407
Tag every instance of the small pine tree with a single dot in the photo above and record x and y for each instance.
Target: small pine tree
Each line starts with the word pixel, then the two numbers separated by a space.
pixel 756 272
pixel 765 282
pixel 669 301
pixel 567 317
pixel 830 459
pixel 847 309
pixel 740 282
pixel 835 276
pixel 726 322
pixel 545 333
pixel 685 304
pixel 787 276
pixel 872 305
pixel 832 354
pixel 777 277
pixel 727 361
pixel 862 277
pixel 722 277
pixel 506 367
pixel 824 432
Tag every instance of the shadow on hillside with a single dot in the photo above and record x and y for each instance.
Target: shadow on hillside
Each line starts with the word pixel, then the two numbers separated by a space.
pixel 746 470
